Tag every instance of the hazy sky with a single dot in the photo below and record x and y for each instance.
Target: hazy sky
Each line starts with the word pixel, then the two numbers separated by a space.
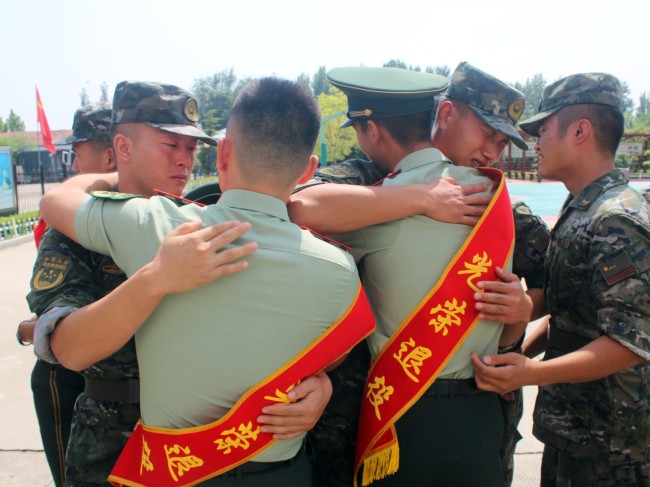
pixel 65 45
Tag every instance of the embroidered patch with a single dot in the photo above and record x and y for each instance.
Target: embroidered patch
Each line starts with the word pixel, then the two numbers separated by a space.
pixel 51 273
pixel 617 269
pixel 339 171
pixel 563 243
pixel 112 269
pixel 191 110
pixel 540 239
pixel 113 195
pixel 515 109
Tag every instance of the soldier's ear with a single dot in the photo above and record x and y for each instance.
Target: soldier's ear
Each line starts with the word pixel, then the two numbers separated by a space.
pixel 445 111
pixel 111 164
pixel 122 147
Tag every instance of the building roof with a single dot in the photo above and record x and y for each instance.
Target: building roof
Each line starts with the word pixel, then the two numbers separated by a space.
pixel 32 138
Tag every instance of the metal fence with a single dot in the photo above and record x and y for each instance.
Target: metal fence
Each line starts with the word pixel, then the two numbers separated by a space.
pixel 32 185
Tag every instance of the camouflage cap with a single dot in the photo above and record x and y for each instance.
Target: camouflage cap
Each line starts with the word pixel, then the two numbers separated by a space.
pixel 584 88
pixel 165 107
pixel 496 103
pixel 91 123
pixel 386 92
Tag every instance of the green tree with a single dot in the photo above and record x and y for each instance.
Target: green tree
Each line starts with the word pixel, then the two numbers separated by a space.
pixel 83 97
pixel 17 143
pixel 103 93
pixel 443 70
pixel 3 126
pixel 303 79
pixel 216 94
pixel 398 63
pixel 340 142
pixel 628 102
pixel 14 123
pixel 320 83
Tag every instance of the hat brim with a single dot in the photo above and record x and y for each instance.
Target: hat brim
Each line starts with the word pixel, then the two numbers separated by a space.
pixel 70 139
pixel 498 123
pixel 348 123
pixel 186 130
pixel 531 126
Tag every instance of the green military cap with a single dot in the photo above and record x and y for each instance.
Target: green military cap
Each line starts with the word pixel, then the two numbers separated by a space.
pixel 91 123
pixel 165 107
pixel 386 92
pixel 584 88
pixel 496 103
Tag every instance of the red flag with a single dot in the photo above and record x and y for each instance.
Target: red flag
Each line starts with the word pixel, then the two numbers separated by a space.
pixel 45 127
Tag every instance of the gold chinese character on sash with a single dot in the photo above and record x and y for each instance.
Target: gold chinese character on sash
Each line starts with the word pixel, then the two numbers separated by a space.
pixel 280 396
pixel 447 316
pixel 378 393
pixel 237 438
pixel 476 269
pixel 146 461
pixel 178 465
pixel 411 358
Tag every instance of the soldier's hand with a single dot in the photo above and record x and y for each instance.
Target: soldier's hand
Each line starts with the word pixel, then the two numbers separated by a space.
pixel 309 399
pixel 449 202
pixel 505 300
pixel 191 256
pixel 26 330
pixel 501 373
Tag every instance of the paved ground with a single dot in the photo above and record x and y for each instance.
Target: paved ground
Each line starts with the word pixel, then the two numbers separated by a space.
pixel 22 462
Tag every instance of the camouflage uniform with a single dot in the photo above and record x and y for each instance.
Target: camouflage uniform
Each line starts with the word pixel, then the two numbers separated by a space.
pixel 54 387
pixel 598 284
pixel 531 239
pixel 333 439
pixel 68 277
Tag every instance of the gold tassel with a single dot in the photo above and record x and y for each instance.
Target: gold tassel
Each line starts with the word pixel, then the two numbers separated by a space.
pixel 380 465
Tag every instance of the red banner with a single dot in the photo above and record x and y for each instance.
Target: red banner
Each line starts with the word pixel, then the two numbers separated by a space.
pixel 427 339
pixel 184 457
pixel 45 127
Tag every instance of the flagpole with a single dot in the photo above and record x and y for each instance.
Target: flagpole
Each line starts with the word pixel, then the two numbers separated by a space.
pixel 38 146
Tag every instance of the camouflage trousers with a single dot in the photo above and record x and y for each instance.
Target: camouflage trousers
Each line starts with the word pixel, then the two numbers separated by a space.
pixel 98 435
pixel 332 442
pixel 512 411
pixel 590 472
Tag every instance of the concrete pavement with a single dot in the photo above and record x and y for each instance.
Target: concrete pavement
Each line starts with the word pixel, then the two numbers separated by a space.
pixel 22 462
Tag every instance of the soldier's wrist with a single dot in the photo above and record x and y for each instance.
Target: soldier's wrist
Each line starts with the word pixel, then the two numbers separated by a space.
pixel 20 336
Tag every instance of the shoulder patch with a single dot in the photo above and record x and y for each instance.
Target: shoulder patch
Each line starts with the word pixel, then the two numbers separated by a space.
pixel 51 272
pixel 113 195
pixel 540 239
pixel 338 171
pixel 619 268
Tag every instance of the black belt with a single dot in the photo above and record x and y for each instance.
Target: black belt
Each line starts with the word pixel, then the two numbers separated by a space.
pixel 566 342
pixel 256 467
pixel 125 391
pixel 453 387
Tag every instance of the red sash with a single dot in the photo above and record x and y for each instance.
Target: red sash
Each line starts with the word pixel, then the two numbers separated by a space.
pixel 181 457
pixel 423 344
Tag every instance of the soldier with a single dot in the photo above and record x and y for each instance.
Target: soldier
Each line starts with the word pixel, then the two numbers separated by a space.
pixel 470 101
pixel 107 411
pixel 592 406
pixel 56 388
pixel 242 331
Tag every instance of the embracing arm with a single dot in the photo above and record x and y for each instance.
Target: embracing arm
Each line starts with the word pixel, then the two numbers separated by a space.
pixel 510 371
pixel 59 204
pixel 338 208
pixel 188 258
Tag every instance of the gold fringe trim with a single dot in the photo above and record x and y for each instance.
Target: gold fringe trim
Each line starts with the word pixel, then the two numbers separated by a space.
pixel 380 465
